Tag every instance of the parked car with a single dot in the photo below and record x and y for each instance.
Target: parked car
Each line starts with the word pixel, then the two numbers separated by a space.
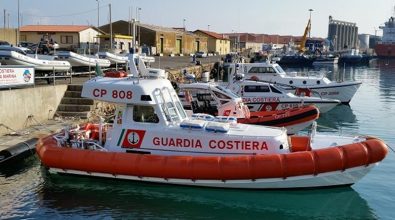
pixel 26 44
pixel 4 43
pixel 200 54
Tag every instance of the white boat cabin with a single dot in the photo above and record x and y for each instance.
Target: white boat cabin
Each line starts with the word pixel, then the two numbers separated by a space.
pixel 150 119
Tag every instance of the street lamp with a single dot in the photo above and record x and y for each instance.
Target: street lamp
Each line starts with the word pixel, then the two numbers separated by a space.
pixel 98 11
pixel 208 27
pixel 310 10
pixel 138 21
pixel 183 24
pixel 138 13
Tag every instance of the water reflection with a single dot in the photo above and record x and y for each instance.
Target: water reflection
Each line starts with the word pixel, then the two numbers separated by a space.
pixel 80 196
pixel 340 117
pixel 16 167
pixel 387 79
pixel 384 64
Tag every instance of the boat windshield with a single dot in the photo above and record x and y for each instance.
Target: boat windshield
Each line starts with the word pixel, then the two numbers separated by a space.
pixel 279 69
pixel 227 91
pixel 279 89
pixel 173 111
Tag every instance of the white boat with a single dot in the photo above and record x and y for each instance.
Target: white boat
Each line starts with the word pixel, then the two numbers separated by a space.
pixel 113 58
pixel 14 56
pixel 123 58
pixel 320 85
pixel 211 98
pixel 153 140
pixel 263 96
pixel 78 60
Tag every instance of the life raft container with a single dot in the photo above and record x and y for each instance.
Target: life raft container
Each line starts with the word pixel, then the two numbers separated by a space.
pixel 301 161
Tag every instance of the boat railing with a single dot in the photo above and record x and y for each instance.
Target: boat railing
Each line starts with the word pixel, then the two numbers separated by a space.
pixel 312 74
pixel 87 144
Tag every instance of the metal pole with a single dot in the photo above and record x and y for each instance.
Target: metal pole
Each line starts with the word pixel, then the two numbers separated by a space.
pixel 17 33
pixel 109 6
pixel 135 28
pixel 98 14
pixel 4 18
pixel 53 73
pixel 310 10
pixel 8 19
pixel 134 35
pixel 139 29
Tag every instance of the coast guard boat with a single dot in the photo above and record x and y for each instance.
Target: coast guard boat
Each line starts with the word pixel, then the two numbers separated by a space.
pixel 213 99
pixel 317 85
pixel 153 140
pixel 262 96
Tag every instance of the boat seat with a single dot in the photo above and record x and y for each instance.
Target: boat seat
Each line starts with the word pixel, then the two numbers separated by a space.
pixel 193 124
pixel 217 127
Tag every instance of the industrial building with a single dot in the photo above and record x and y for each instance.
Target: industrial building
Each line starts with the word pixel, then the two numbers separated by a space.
pixel 216 43
pixel 160 40
pixel 67 36
pixel 343 35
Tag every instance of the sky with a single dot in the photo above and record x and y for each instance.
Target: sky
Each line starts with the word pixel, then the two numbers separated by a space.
pixel 284 17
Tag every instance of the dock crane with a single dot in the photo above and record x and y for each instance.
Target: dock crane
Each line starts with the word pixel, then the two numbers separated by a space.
pixel 302 47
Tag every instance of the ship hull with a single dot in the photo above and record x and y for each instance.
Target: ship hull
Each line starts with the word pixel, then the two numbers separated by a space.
pixel 385 50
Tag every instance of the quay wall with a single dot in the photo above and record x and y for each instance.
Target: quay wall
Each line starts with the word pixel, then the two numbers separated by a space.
pixel 18 104
pixel 197 70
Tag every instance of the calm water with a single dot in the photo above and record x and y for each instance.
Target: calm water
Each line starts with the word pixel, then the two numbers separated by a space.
pixel 27 191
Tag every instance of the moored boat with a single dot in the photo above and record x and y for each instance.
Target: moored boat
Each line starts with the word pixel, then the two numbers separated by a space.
pixel 263 96
pixel 296 60
pixel 15 56
pixel 273 73
pixel 153 140
pixel 78 60
pixel 115 59
pixel 213 99
pixel 386 47
pixel 326 60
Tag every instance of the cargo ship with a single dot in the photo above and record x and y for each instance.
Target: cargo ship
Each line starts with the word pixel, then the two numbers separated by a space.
pixel 386 48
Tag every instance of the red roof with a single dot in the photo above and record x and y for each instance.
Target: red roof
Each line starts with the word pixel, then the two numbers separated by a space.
pixel 213 34
pixel 54 28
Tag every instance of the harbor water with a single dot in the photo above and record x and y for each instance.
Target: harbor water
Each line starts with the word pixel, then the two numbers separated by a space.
pixel 27 191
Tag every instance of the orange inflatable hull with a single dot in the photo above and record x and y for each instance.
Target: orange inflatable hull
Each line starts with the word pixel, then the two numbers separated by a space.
pixel 302 161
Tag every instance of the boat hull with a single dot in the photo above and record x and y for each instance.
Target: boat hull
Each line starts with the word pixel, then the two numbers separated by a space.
pixel 14 58
pixel 303 168
pixel 77 60
pixel 323 106
pixel 293 120
pixel 113 58
pixel 342 91
pixel 385 50
pixel 331 179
